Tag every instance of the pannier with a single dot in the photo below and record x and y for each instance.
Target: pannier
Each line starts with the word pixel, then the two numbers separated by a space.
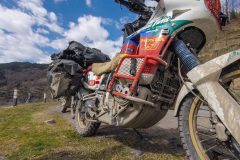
pixel 65 72
pixel 64 78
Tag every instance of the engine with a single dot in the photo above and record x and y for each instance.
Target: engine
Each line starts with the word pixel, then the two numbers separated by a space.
pixel 165 86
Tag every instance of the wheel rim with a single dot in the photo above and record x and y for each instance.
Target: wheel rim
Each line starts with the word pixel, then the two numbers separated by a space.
pixel 196 136
pixel 81 122
pixel 193 131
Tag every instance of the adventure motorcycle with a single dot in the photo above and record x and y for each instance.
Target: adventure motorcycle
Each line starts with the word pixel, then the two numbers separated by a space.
pixel 158 70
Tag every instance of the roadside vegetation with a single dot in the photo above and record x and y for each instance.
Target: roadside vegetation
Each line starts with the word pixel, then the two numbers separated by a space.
pixel 24 134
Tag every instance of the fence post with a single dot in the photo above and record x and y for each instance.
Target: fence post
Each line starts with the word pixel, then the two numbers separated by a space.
pixel 45 97
pixel 15 97
pixel 29 98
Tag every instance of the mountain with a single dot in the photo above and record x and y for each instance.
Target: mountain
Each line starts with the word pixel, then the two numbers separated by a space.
pixel 26 77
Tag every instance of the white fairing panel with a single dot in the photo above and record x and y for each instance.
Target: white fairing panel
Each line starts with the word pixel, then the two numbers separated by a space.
pixel 192 10
pixel 94 81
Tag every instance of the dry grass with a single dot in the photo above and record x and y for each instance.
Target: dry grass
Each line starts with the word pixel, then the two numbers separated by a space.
pixel 228 40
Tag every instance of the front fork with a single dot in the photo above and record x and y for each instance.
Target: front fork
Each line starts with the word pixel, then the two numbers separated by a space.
pixel 187 58
pixel 205 78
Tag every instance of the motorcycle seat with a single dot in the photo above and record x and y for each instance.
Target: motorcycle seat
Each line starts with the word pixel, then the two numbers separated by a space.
pixel 101 68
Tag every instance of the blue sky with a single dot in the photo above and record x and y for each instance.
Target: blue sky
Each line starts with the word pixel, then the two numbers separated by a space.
pixel 70 10
pixel 31 30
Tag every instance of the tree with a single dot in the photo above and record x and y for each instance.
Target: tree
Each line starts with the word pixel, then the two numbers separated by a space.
pixel 231 8
pixel 227 7
pixel 233 14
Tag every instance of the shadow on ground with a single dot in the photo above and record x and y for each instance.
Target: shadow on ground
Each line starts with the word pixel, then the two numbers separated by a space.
pixel 154 140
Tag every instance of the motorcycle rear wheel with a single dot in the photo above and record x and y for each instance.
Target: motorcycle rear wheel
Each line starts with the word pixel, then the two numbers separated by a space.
pixel 192 133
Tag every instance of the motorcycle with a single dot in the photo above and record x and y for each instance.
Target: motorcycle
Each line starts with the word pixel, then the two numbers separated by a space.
pixel 158 70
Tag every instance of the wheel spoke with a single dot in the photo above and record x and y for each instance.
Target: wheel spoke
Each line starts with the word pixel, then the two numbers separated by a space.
pixel 203 109
pixel 204 134
pixel 210 148
pixel 203 116
pixel 203 127
pixel 206 140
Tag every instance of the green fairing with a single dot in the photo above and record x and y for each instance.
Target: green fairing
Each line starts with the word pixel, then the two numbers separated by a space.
pixel 178 24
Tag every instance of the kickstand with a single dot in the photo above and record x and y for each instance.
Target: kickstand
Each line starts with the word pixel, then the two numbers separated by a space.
pixel 138 133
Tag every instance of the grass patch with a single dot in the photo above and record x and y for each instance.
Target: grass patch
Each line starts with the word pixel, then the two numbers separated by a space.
pixel 24 135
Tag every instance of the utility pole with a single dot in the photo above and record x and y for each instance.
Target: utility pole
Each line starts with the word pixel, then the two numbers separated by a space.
pixel 29 98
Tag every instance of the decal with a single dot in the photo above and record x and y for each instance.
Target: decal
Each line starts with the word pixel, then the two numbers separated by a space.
pixel 160 21
pixel 152 36
pixel 166 22
pixel 233 55
pixel 151 43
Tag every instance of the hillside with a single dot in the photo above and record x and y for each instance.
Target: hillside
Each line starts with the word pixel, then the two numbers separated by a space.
pixel 228 40
pixel 26 77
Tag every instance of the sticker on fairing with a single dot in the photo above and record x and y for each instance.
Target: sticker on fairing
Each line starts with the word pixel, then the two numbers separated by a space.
pixel 233 55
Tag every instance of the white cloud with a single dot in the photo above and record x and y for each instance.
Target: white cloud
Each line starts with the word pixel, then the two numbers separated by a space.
pixel 108 46
pixel 40 15
pixel 151 3
pixel 124 20
pixel 53 17
pixel 58 1
pixel 89 30
pixel 16 47
pixel 88 26
pixel 88 3
pixel 10 23
pixel 20 41
pixel 42 31
pixel 34 6
pixel 59 44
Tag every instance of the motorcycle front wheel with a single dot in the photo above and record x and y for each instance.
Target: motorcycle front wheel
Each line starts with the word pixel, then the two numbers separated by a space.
pixel 83 126
pixel 197 126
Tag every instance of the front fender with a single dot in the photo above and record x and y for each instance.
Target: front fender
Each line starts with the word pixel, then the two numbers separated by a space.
pixel 185 90
pixel 206 77
pixel 222 62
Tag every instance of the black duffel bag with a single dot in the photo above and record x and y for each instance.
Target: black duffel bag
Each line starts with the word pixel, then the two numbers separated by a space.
pixel 81 54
